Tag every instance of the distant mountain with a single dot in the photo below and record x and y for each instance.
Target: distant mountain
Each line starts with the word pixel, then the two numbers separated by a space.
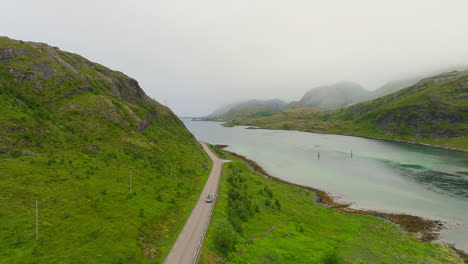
pixel 247 109
pixel 433 111
pixel 334 96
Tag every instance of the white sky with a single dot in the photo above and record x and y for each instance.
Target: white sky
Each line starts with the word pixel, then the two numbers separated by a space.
pixel 199 54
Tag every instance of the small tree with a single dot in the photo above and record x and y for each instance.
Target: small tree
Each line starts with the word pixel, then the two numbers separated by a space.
pixel 225 237
pixel 278 205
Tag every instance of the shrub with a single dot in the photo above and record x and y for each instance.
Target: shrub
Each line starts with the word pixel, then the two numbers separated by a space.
pixel 224 237
pixel 278 205
pixel 332 258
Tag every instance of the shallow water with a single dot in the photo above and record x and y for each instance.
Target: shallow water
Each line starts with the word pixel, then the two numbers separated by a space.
pixel 380 175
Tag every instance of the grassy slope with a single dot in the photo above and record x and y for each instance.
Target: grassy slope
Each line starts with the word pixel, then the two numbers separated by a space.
pixel 304 232
pixel 434 111
pixel 91 128
pixel 244 113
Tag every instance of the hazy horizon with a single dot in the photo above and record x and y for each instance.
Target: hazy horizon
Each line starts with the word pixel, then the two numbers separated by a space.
pixel 199 55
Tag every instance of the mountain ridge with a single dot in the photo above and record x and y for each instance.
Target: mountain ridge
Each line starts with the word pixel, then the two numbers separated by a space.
pixel 432 111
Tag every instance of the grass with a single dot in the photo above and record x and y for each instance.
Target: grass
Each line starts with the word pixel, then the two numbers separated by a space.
pixel 244 113
pixel 280 223
pixel 73 141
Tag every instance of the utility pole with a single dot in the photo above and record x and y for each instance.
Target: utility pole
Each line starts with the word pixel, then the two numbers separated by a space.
pixel 37 219
pixel 351 153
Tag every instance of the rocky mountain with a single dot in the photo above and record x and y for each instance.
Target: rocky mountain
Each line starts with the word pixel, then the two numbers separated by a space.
pixel 433 111
pixel 114 172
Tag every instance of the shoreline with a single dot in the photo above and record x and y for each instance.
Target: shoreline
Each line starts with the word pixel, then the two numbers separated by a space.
pixel 426 229
pixel 368 137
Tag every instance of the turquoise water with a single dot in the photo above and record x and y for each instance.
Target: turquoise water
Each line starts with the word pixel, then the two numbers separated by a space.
pixel 385 176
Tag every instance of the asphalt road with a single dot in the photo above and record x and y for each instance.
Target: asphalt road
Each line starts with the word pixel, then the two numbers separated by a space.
pixel 188 244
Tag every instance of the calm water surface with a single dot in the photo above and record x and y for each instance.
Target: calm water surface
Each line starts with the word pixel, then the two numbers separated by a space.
pixel 380 175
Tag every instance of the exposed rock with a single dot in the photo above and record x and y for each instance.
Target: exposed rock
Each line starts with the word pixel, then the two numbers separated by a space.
pixel 93 147
pixel 143 124
pixel 20 77
pixel 44 70
pixel 30 153
pixel 6 54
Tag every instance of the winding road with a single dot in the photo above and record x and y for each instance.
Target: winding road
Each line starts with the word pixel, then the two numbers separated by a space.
pixel 188 244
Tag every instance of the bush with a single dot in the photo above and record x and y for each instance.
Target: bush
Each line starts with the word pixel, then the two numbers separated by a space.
pixel 224 237
pixel 236 222
pixel 332 258
pixel 278 205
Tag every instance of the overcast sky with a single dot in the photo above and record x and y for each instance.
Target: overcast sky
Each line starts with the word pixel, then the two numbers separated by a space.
pixel 199 54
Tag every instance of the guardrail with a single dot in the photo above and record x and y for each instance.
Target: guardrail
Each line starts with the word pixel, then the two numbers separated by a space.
pixel 196 257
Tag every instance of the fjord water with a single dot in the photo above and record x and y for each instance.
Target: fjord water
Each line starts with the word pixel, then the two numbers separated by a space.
pixel 380 175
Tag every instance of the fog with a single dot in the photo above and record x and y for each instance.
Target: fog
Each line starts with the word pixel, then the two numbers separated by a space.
pixel 198 55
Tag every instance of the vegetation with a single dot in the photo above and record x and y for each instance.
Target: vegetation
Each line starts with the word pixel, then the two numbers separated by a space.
pixel 115 173
pixel 244 113
pixel 247 109
pixel 433 111
pixel 257 220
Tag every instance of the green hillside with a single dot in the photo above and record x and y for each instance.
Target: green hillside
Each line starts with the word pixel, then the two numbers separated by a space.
pixel 247 109
pixel 258 220
pixel 244 113
pixel 433 111
pixel 115 173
